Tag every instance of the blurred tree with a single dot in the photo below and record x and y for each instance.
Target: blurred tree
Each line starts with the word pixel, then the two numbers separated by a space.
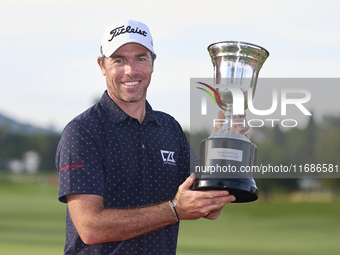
pixel 15 145
pixel 328 148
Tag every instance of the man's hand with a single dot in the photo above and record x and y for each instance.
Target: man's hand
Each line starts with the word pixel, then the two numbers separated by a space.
pixel 196 204
pixel 240 125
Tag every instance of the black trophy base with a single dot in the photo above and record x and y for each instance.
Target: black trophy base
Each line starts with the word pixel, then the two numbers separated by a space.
pixel 244 190
pixel 229 153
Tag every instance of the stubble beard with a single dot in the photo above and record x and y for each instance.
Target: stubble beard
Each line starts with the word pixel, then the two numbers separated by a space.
pixel 116 95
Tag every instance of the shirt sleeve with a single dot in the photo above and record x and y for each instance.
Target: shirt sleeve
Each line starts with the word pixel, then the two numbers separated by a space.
pixel 79 162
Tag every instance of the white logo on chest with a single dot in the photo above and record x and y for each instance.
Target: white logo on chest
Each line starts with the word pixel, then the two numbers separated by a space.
pixel 168 157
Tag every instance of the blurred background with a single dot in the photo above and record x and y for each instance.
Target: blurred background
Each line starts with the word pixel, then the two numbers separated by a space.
pixel 49 75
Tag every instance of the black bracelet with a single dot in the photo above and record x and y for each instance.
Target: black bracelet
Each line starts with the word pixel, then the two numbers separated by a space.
pixel 173 208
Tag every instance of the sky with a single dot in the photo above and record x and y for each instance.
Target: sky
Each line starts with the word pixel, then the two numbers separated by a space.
pixel 48 50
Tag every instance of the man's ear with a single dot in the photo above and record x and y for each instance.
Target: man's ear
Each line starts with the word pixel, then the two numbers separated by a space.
pixel 100 61
pixel 153 60
pixel 153 57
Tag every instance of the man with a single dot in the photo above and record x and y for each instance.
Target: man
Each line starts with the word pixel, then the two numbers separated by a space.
pixel 123 167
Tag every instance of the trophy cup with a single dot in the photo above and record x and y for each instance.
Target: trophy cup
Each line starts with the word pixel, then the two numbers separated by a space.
pixel 236 65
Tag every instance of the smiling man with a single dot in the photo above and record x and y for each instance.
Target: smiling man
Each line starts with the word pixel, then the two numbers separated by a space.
pixel 123 167
pixel 128 74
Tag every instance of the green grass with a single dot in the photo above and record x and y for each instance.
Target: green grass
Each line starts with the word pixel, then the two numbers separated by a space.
pixel 32 221
pixel 265 228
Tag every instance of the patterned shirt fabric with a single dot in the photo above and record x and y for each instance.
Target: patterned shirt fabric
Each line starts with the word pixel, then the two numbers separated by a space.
pixel 106 152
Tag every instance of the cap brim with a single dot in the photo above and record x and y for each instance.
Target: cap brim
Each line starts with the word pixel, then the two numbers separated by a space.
pixel 114 48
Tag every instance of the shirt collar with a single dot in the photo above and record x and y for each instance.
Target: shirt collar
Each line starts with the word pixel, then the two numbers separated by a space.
pixel 118 115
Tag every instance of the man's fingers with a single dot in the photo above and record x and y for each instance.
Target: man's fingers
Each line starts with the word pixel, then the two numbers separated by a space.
pixel 217 205
pixel 240 125
pixel 211 194
pixel 188 182
pixel 221 200
pixel 220 115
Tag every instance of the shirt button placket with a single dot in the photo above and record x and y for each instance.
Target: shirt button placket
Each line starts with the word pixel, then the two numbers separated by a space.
pixel 142 140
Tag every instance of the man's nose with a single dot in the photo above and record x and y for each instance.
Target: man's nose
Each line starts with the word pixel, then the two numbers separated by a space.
pixel 130 69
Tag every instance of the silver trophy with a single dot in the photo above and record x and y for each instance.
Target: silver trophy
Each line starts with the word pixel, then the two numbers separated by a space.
pixel 236 69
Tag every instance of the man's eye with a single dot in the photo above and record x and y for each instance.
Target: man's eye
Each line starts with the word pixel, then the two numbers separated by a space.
pixel 118 61
pixel 141 59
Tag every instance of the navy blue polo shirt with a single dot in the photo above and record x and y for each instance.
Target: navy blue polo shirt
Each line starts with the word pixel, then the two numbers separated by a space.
pixel 106 152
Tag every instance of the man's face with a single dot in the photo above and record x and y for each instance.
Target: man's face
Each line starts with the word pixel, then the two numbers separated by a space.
pixel 128 73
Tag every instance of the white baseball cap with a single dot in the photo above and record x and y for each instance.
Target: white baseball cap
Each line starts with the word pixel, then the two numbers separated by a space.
pixel 121 33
